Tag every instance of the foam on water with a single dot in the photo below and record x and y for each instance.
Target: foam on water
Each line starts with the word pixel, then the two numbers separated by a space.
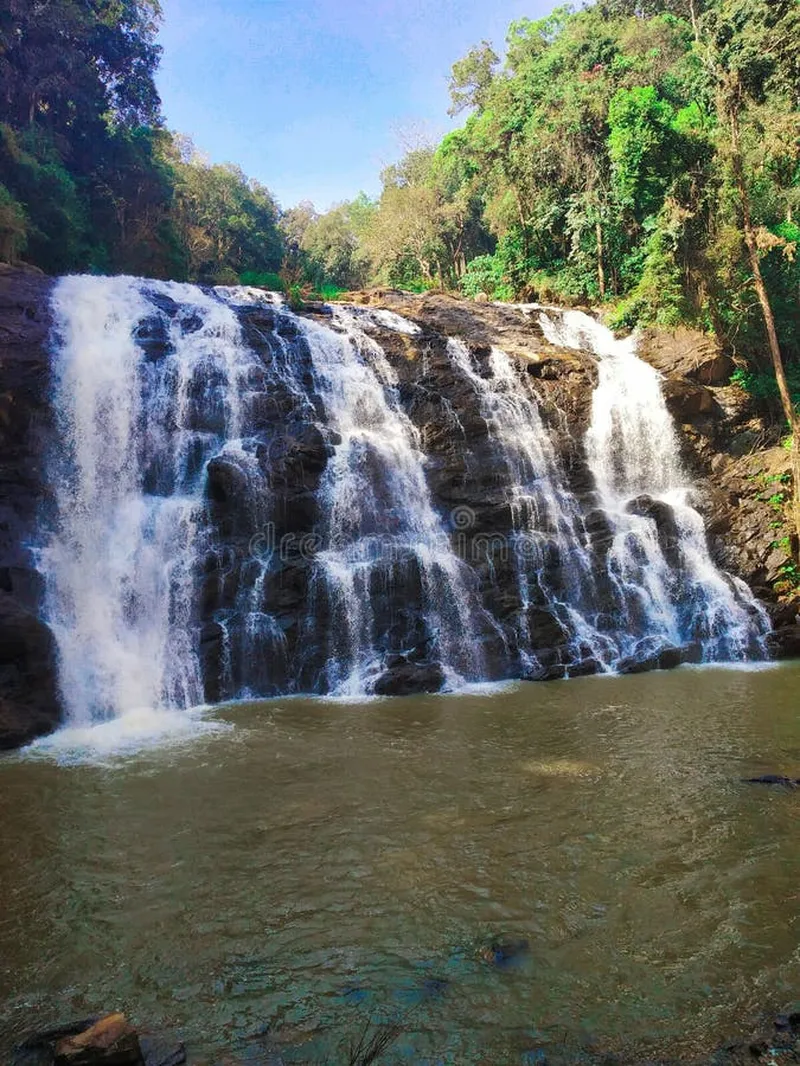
pixel 128 734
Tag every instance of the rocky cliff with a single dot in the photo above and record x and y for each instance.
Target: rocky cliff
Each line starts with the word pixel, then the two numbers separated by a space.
pixel 28 693
pixel 731 451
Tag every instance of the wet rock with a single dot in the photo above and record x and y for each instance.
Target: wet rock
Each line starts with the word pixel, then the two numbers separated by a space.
pixel 406 678
pixel 159 1051
pixel 663 515
pixel 163 302
pixel 632 665
pixel 584 668
pixel 670 658
pixel 111 1041
pixel 317 307
pixel 784 643
pixel 772 779
pixel 152 336
pixel 505 951
pixel 29 703
pixel 667 658
pixel 692 653
pixel 546 630
pixel 554 672
pixel 29 700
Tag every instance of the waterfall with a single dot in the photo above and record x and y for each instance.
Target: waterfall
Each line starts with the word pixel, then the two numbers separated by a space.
pixel 666 587
pixel 135 435
pixel 243 506
pixel 167 414
pixel 380 522
pixel 549 545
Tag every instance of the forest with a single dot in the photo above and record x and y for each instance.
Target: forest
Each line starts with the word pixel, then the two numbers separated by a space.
pixel 642 155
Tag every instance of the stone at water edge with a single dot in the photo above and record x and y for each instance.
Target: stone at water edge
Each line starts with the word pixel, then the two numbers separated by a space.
pixel 109 1042
pixel 773 779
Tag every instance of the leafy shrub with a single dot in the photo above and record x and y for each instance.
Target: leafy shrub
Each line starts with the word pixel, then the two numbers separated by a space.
pixel 262 280
pixel 486 275
pixel 13 226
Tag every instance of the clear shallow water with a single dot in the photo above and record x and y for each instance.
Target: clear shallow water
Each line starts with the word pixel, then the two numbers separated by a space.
pixel 322 863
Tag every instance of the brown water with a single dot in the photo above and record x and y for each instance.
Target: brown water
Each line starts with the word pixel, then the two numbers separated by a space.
pixel 321 864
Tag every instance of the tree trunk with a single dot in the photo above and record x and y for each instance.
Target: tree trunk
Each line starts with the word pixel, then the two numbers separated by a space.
pixel 601 274
pixel 769 318
pixel 695 24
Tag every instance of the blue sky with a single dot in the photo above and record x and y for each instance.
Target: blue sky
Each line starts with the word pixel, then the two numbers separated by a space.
pixel 308 96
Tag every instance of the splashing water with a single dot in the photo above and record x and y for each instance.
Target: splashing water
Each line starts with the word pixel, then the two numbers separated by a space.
pixel 381 522
pixel 121 569
pixel 666 585
pixel 190 420
pixel 547 525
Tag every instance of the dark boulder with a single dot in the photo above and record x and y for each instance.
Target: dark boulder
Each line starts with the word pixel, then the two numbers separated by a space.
pixel 784 643
pixel 406 678
pixel 152 336
pixel 109 1042
pixel 632 665
pixel 662 514
pixel 555 672
pixel 29 702
pixel 670 658
pixel 584 668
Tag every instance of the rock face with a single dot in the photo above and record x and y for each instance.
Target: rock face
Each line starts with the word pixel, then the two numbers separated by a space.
pixel 742 474
pixel 28 695
pixel 466 473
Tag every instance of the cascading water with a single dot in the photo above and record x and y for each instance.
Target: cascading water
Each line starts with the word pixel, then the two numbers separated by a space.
pixel 665 584
pixel 136 433
pixel 549 544
pixel 380 521
pixel 244 507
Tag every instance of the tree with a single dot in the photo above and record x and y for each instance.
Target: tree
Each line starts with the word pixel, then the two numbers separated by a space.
pixel 744 46
pixel 227 222
pixel 471 78
pixel 334 244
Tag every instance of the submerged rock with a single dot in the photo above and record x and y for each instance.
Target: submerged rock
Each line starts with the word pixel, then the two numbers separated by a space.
pixel 773 779
pixel 505 951
pixel 111 1041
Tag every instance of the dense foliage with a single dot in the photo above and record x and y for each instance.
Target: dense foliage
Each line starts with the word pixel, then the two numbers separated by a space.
pixel 620 154
pixel 597 164
pixel 89 177
pixel 604 160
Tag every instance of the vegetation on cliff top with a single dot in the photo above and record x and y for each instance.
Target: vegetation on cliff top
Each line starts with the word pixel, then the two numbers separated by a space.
pixel 620 153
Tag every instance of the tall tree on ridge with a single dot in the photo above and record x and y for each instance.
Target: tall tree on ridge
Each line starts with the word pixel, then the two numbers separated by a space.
pixel 746 46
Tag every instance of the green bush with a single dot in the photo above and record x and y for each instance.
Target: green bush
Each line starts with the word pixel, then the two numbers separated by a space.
pixel 13 227
pixel 761 384
pixel 262 280
pixel 486 275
